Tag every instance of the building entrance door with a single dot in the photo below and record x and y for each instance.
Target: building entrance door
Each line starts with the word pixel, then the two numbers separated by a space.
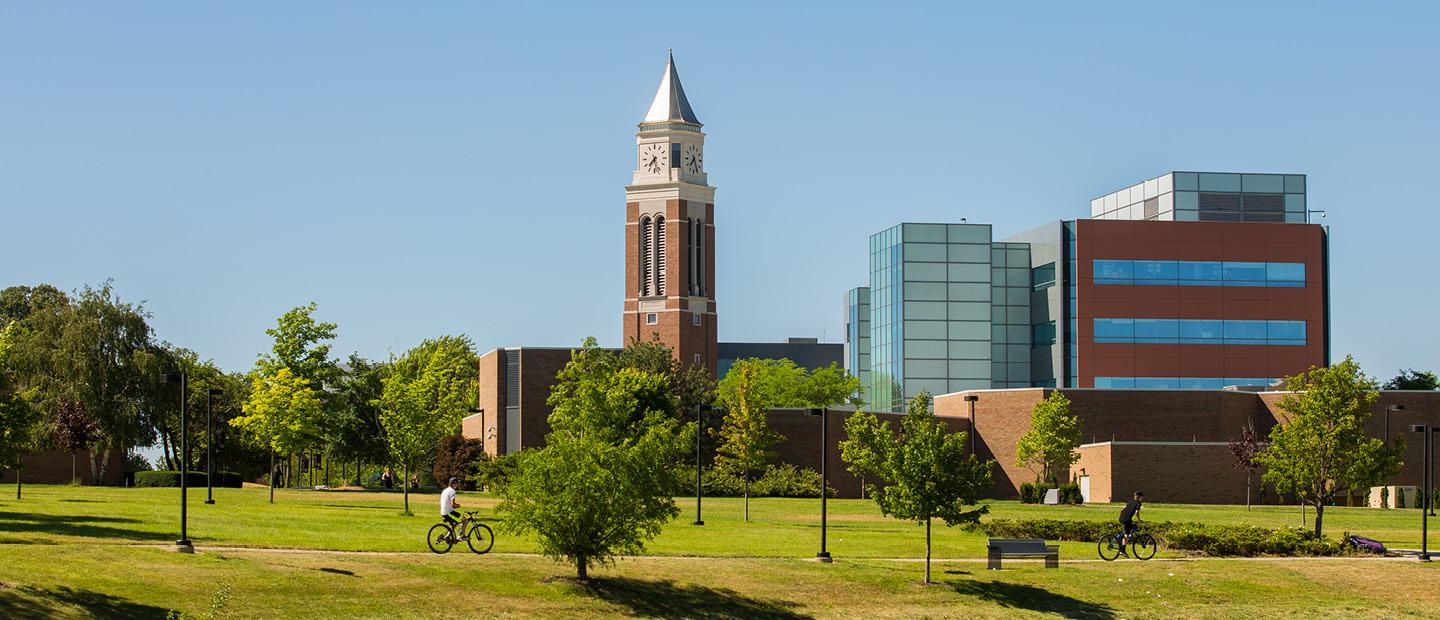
pixel 1085 488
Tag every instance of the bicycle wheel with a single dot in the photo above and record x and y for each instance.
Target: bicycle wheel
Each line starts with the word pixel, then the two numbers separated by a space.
pixel 440 538
pixel 1143 546
pixel 1109 547
pixel 480 538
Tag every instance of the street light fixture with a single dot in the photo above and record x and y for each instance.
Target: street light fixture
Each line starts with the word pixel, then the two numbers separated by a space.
pixel 1388 409
pixel 1429 432
pixel 699 430
pixel 971 398
pixel 823 555
pixel 210 446
pixel 183 545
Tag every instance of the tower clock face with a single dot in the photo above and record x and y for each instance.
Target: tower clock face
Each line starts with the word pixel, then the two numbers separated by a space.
pixel 653 158
pixel 693 159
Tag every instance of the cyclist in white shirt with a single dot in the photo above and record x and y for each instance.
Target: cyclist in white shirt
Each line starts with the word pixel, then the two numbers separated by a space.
pixel 448 504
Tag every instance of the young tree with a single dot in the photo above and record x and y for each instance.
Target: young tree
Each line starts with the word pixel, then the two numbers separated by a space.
pixel 831 385
pixel 601 485
pixel 1245 450
pixel 1410 379
pixel 283 414
pixel 1048 449
pixel 426 394
pixel 923 473
pixel 18 418
pixel 751 388
pixel 1323 446
pixel 73 431
pixel 302 344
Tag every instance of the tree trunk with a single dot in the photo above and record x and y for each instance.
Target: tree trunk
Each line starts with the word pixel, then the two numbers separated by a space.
pixel 1319 516
pixel 273 475
pixel 72 468
pixel 1247 490
pixel 104 463
pixel 581 570
pixel 927 550
pixel 747 497
pixel 405 486
pixel 19 471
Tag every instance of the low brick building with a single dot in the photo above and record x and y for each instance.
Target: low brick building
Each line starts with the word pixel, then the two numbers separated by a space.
pixel 1173 444
pixel 54 467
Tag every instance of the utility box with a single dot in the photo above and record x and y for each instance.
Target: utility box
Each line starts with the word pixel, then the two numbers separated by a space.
pixel 1394 497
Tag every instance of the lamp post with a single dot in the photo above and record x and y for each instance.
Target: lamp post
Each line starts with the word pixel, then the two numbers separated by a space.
pixel 699 429
pixel 823 555
pixel 1428 432
pixel 971 398
pixel 183 545
pixel 1388 409
pixel 210 446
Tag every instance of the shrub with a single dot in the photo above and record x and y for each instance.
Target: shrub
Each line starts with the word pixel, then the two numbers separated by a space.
pixel 1212 540
pixel 458 457
pixel 168 479
pixel 1033 492
pixel 1070 494
pixel 491 473
pixel 788 481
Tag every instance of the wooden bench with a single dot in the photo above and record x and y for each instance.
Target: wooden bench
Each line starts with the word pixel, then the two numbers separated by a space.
pixel 1022 548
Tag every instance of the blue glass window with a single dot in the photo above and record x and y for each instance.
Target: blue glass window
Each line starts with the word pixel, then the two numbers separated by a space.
pixel 1114 330
pixel 1199 331
pixel 1177 383
pixel 1198 273
pixel 1114 270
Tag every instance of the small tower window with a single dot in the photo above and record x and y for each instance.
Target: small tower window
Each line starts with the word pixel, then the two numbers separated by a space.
pixel 652 318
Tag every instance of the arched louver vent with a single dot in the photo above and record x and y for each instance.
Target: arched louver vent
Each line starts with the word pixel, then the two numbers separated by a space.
pixel 647 256
pixel 660 255
pixel 693 281
pixel 699 257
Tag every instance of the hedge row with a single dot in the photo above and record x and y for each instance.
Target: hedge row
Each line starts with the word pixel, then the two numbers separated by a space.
pixel 227 479
pixel 1212 540
pixel 1034 493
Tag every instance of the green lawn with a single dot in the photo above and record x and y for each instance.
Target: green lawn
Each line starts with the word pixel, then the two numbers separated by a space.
pixel 69 551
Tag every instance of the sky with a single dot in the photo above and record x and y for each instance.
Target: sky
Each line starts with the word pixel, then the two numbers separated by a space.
pixel 420 169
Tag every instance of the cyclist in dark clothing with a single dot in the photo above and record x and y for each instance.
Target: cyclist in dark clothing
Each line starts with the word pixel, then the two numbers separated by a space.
pixel 1128 515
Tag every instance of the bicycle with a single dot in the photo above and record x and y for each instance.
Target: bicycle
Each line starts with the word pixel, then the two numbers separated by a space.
pixel 476 535
pixel 1112 546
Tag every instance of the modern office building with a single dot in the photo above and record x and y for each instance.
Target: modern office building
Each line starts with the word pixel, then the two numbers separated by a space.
pixel 807 353
pixel 1186 281
pixel 857 333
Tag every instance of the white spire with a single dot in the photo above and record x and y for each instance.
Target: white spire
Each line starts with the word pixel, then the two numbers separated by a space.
pixel 670 103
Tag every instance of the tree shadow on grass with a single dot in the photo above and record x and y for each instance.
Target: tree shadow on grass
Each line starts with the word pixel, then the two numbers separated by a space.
pixel 667 599
pixel 27 602
pixel 1022 596
pixel 75 525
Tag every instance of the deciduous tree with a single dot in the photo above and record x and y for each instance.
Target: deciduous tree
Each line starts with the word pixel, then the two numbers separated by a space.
pixel 1048 448
pixel 283 414
pixel 1410 379
pixel 750 389
pixel 601 485
pixel 1246 449
pixel 72 430
pixel 921 474
pixel 426 394
pixel 1322 447
pixel 18 419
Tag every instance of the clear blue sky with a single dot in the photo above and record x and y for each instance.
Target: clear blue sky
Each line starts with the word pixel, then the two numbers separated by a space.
pixel 419 170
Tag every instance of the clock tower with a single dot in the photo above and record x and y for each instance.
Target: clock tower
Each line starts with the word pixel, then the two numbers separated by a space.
pixel 670 231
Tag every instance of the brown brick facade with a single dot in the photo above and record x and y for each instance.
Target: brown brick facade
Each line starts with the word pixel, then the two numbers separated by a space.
pixel 676 311
pixel 1198 241
pixel 53 467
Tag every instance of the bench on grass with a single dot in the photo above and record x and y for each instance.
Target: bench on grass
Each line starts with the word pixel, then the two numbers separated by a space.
pixel 1022 548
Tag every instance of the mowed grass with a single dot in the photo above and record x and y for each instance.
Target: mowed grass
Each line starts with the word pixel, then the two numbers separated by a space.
pixel 60 581
pixel 780 528
pixel 82 552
